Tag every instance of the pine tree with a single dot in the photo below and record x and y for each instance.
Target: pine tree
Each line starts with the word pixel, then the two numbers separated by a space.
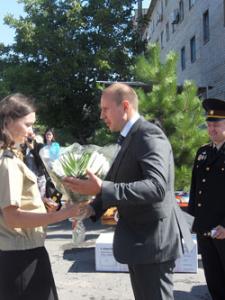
pixel 180 114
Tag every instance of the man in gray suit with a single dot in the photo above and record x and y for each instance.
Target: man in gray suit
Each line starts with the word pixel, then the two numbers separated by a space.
pixel 140 184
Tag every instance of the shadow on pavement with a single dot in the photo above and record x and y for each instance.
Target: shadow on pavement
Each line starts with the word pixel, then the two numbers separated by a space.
pixel 84 259
pixel 200 292
pixel 83 256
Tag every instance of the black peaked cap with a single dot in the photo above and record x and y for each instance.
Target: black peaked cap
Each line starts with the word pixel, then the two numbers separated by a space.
pixel 215 109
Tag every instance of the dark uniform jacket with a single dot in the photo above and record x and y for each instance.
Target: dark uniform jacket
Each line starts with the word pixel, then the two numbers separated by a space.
pixel 141 184
pixel 207 195
pixel 33 159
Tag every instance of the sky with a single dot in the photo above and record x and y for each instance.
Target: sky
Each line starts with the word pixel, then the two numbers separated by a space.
pixel 16 9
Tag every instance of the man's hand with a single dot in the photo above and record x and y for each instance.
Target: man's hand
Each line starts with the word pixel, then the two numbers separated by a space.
pixel 90 186
pixel 219 233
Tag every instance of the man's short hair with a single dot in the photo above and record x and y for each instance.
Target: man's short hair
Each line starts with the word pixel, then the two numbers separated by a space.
pixel 121 91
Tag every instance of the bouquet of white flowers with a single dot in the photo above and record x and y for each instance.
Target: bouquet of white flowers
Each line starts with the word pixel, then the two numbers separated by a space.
pixel 75 160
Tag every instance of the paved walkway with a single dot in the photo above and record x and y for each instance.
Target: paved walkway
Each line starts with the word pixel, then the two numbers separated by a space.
pixel 76 278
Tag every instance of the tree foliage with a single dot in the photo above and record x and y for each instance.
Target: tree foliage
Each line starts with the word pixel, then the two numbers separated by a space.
pixel 62 47
pixel 180 114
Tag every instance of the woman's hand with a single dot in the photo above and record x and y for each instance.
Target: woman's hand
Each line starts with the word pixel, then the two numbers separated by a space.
pixel 73 209
pixel 50 204
pixel 85 211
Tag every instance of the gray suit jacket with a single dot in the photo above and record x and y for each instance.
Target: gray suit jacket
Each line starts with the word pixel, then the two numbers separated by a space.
pixel 141 184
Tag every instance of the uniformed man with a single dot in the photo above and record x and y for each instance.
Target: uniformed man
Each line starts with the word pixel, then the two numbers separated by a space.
pixel 207 199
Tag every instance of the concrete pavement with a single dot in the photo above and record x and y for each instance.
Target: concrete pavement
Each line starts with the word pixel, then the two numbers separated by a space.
pixel 76 278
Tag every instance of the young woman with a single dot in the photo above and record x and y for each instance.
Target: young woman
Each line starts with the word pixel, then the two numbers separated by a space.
pixel 25 270
pixel 53 148
pixel 49 136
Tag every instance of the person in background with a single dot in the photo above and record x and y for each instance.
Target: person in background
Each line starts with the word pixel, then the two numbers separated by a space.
pixel 206 201
pixel 25 270
pixel 140 183
pixel 30 149
pixel 54 148
pixel 32 159
pixel 49 136
pixel 50 142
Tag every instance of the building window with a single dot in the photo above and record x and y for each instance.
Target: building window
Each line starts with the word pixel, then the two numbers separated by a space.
pixel 166 2
pixel 181 10
pixel 206 26
pixel 168 31
pixel 161 40
pixel 193 49
pixel 182 59
pixel 224 10
pixel 191 3
pixel 162 7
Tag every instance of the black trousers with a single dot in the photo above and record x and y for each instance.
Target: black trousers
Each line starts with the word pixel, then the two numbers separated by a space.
pixel 213 260
pixel 26 275
pixel 152 281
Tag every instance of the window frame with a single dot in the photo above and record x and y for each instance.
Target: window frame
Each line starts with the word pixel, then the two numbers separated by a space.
pixel 224 11
pixel 206 31
pixel 183 58
pixel 193 49
pixel 181 10
pixel 167 31
pixel 162 39
pixel 191 4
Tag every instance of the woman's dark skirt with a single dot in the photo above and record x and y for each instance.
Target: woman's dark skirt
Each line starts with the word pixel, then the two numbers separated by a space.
pixel 26 275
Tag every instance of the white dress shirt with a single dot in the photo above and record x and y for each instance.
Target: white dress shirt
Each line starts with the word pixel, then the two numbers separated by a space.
pixel 127 127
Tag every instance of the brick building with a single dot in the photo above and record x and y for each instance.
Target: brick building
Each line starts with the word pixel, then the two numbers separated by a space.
pixel 195 30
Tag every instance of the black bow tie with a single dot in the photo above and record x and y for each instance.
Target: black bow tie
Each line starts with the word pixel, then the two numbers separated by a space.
pixel 120 140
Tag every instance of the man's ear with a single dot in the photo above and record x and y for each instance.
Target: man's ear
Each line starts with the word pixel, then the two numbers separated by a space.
pixel 126 105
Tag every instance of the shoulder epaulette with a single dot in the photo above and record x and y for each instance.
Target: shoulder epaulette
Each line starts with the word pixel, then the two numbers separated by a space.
pixel 205 145
pixel 8 153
